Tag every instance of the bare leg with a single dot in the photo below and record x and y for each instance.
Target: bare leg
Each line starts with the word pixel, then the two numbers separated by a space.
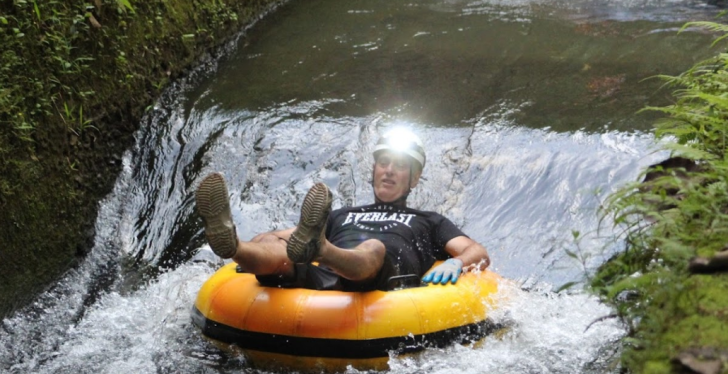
pixel 357 264
pixel 265 254
pixel 307 242
pixel 270 253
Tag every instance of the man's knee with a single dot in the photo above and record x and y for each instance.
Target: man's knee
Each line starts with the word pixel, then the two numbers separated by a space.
pixel 375 244
pixel 267 237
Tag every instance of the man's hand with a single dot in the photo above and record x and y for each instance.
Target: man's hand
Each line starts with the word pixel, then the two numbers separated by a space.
pixel 448 270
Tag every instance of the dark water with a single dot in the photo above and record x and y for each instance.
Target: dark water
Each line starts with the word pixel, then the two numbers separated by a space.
pixel 527 109
pixel 445 63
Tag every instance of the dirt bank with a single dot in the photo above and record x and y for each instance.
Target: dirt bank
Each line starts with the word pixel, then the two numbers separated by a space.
pixel 75 79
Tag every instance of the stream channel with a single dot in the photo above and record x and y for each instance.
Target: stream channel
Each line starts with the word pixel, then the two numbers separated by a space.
pixel 528 109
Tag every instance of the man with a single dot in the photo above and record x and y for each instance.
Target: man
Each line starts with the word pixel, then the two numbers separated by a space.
pixel 357 248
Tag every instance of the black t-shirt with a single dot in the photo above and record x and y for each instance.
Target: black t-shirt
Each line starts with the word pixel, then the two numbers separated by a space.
pixel 414 239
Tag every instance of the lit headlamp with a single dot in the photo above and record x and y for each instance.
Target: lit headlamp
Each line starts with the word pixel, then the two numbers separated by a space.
pixel 401 140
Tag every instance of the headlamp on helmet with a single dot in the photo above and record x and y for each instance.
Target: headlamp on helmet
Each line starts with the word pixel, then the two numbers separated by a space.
pixel 401 140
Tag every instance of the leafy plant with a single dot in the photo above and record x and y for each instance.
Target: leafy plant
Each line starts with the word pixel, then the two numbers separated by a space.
pixel 125 5
pixel 675 214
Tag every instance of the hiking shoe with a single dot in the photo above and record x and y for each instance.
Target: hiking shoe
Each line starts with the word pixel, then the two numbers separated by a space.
pixel 213 204
pixel 305 241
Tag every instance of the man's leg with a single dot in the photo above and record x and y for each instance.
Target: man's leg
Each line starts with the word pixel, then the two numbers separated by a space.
pixel 308 241
pixel 264 255
pixel 310 233
pixel 358 264
pixel 269 253
pixel 213 204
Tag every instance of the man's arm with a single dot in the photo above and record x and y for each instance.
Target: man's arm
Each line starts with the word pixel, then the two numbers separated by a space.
pixel 465 252
pixel 470 252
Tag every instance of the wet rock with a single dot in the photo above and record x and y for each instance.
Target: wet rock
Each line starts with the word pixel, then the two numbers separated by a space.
pixel 87 243
pixel 683 169
pixel 707 265
pixel 680 166
pixel 718 3
pixel 604 87
pixel 701 361
pixel 661 168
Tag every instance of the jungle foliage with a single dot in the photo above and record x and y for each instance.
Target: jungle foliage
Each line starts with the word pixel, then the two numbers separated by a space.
pixel 75 79
pixel 672 216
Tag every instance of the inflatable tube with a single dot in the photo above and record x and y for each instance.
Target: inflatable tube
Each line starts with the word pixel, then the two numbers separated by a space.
pixel 302 329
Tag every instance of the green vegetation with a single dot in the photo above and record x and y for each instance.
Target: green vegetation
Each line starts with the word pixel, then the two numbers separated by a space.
pixel 75 78
pixel 673 216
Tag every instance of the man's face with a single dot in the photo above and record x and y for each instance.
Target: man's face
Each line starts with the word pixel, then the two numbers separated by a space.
pixel 392 176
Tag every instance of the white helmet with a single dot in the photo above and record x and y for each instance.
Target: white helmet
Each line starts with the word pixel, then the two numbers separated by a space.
pixel 404 141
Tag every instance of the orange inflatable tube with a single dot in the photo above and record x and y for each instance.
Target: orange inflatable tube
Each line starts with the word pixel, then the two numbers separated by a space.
pixel 302 329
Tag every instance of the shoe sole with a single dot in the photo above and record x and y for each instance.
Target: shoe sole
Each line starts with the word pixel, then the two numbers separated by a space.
pixel 303 245
pixel 213 204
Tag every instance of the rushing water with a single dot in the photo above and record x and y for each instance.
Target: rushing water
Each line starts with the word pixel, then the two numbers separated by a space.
pixel 528 112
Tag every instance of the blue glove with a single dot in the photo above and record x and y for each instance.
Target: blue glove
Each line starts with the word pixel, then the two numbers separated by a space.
pixel 448 270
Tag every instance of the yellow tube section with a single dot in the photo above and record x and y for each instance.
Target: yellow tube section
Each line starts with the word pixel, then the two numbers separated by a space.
pixel 327 330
